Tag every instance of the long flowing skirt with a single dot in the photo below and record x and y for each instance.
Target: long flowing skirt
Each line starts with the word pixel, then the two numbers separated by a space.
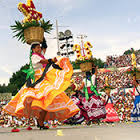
pixel 135 114
pixel 111 115
pixel 93 108
pixel 47 95
pixel 76 119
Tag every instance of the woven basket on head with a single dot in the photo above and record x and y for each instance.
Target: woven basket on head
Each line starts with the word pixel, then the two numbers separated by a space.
pixel 34 34
pixel 87 66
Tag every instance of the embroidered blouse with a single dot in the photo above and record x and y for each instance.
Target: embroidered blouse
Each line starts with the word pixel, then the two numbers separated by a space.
pixel 36 61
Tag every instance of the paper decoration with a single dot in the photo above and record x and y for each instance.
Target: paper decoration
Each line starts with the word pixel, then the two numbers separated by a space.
pixel 59 133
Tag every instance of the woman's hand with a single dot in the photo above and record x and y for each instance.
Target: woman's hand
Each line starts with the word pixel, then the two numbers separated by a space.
pixel 54 59
pixel 44 61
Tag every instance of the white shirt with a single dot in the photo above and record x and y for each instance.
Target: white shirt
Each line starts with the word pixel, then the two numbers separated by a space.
pixel 88 81
pixel 36 62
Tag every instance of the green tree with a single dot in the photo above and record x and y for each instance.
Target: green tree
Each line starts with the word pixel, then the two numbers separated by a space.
pixel 17 80
pixel 3 88
pixel 99 62
pixel 130 51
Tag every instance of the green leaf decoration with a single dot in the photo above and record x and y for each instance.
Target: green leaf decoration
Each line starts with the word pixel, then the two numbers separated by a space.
pixel 86 93
pixel 18 28
pixel 30 73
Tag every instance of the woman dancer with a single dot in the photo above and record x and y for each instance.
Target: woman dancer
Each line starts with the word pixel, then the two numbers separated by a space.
pixel 93 107
pixel 45 97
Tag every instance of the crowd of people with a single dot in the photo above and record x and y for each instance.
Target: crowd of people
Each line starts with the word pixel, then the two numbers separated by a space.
pixel 123 102
pixel 121 61
pixel 7 120
pixel 117 79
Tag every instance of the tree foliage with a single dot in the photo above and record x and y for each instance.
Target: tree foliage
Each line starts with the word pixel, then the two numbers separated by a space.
pixel 16 82
pixel 127 52
pixel 3 88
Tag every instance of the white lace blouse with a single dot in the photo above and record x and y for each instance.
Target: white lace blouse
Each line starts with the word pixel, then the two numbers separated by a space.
pixel 36 62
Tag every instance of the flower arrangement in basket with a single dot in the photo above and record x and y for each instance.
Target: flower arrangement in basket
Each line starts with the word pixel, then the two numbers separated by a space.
pixel 32 28
pixel 84 56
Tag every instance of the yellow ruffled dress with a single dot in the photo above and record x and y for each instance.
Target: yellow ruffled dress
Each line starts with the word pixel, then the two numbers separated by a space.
pixel 47 95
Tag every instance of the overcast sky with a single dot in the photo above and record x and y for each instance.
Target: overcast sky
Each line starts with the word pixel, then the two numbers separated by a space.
pixel 112 26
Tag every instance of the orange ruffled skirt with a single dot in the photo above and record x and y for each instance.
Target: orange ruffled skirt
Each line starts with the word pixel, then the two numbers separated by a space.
pixel 47 95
